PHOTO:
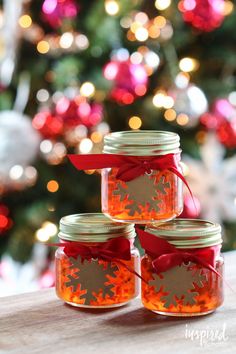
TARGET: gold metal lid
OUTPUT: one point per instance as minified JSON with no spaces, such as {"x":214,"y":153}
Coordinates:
{"x":142,"y":143}
{"x":188,"y":233}
{"x":93,"y":227}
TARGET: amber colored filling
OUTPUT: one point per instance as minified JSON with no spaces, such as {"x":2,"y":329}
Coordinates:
{"x":122,"y":283}
{"x":165,"y":197}
{"x":209,"y":293}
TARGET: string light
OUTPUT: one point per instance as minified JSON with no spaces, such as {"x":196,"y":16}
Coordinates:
{"x":85,"y":146}
{"x":96,"y":137}
{"x":228,"y":8}
{"x":162,"y":4}
{"x":66,"y":40}
{"x":188,"y":64}
{"x":47,"y":230}
{"x":16,"y":172}
{"x":170,"y":115}
{"x":25,"y":21}
{"x":43,"y":47}
{"x":87,"y":89}
{"x":141,"y":34}
{"x":42,"y":95}
{"x":182,"y":80}
{"x":182,"y":119}
{"x":160,"y":21}
{"x":52,"y":186}
{"x":141,"y":17}
{"x":135,"y":122}
{"x":112,"y":7}
{"x":158,"y":99}
{"x":232,"y":98}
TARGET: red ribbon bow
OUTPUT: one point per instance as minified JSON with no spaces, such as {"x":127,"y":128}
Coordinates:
{"x":117,"y":248}
{"x":129,"y":167}
{"x":113,"y":250}
{"x":166,"y":256}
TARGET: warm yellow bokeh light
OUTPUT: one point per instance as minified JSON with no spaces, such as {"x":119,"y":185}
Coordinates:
{"x":182,"y":119}
{"x":43,"y":47}
{"x":87,"y":89}
{"x":25,"y":21}
{"x":52,"y":186}
{"x":228,"y":8}
{"x":188,"y":64}
{"x":160,"y":21}
{"x":162,"y":4}
{"x":141,"y":34}
{"x":159,"y":99}
{"x":96,"y":137}
{"x":135,"y":122}
{"x":112,"y":7}
{"x":170,"y":115}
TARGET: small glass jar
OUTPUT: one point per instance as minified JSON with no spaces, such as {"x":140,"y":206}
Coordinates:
{"x":188,"y":287}
{"x":155,"y":195}
{"x":96,"y":262}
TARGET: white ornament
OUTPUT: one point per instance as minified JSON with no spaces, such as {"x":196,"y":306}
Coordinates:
{"x":213,"y":181}
{"x":189,"y":100}
{"x":19,"y":144}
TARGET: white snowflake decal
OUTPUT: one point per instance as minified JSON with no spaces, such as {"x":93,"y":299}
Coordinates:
{"x":213,"y":181}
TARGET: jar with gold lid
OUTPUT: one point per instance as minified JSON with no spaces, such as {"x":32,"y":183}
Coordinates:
{"x":182,"y":268}
{"x":144,"y":185}
{"x":96,"y":261}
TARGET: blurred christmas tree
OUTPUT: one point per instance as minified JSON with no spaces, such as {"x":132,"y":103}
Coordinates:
{"x":78,"y":69}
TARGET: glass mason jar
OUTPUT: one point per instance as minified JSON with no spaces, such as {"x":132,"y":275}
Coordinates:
{"x":153,"y":195}
{"x":187,"y":285}
{"x":96,"y":262}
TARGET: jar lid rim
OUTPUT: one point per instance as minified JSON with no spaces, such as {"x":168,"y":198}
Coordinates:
{"x":188,"y":232}
{"x":141,"y":142}
{"x":93,"y":227}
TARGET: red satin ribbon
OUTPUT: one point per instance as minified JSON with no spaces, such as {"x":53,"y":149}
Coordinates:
{"x":113,"y":250}
{"x":166,"y":256}
{"x":129,"y":167}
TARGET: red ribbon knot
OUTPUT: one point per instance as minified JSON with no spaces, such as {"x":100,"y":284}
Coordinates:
{"x":166,"y":256}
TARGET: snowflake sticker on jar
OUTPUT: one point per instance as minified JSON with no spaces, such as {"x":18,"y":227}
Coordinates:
{"x":142,"y":180}
{"x":182,"y":269}
{"x":96,"y":261}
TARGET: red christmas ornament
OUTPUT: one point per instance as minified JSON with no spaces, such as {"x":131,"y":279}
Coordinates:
{"x":205,"y":15}
{"x":49,"y":125}
{"x":130,"y":80}
{"x":222,"y":119}
{"x":5,"y":221}
{"x":67,"y":110}
{"x":55,"y":11}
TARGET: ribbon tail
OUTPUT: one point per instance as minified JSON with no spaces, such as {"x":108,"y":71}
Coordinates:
{"x":94,"y":161}
{"x":179,"y":174}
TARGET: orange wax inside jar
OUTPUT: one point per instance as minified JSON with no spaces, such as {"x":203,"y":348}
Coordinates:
{"x":146,"y":189}
{"x":121,"y":284}
{"x":182,"y":267}
{"x":207,"y":296}
{"x":96,"y":261}
{"x":153,"y":197}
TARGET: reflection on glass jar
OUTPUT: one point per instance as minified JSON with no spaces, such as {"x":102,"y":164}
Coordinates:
{"x":184,"y":272}
{"x":150,"y":190}
{"x":96,"y":262}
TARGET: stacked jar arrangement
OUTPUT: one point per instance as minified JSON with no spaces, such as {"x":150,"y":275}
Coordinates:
{"x":97,"y":264}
